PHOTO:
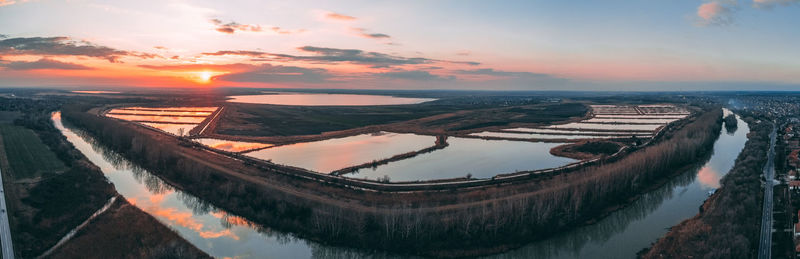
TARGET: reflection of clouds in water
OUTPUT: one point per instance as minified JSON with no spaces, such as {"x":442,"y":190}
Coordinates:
{"x":709,"y":177}
{"x":153,"y":206}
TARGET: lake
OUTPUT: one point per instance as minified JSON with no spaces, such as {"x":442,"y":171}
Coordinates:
{"x":304,"y":99}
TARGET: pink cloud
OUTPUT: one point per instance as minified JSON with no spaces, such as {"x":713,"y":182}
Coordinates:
{"x":714,"y":13}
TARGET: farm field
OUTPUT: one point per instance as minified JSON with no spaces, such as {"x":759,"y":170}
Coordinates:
{"x":27,"y":155}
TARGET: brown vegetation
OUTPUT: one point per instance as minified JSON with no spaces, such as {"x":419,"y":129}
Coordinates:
{"x":587,"y":149}
{"x":44,"y":210}
{"x":458,"y":222}
{"x":124,"y":231}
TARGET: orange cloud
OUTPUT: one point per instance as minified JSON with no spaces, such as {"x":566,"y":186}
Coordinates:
{"x":338,"y":16}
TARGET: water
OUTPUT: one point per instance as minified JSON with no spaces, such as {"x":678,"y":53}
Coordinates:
{"x":231,"y":146}
{"x":213,"y":230}
{"x":625,"y":232}
{"x":221,"y":234}
{"x":160,"y":113}
{"x":630,"y":121}
{"x":156,"y":118}
{"x":575,"y":132}
{"x":594,"y":126}
{"x":174,"y":129}
{"x":481,"y":158}
{"x":640,"y":116}
{"x":184,"y":109}
{"x":332,"y":154}
{"x":549,"y":136}
{"x":325,"y":99}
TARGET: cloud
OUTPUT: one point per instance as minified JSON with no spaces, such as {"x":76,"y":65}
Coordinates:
{"x":10,"y":2}
{"x":772,"y":3}
{"x":516,"y":79}
{"x":278,"y":74}
{"x":361,"y":32}
{"x":334,"y":55}
{"x":201,"y":67}
{"x":160,"y":47}
{"x":237,"y":53}
{"x":338,"y":16}
{"x":64,"y":46}
{"x":715,"y":13}
{"x":43,"y":63}
{"x":413,"y":75}
{"x":232,"y":27}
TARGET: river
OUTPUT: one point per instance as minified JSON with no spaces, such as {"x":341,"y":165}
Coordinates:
{"x":222,"y":234}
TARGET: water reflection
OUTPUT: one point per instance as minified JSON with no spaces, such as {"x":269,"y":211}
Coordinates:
{"x":157,"y":118}
{"x":594,"y":126}
{"x":478,"y":157}
{"x":211,"y":229}
{"x":325,"y":99}
{"x":625,"y":232}
{"x":548,"y":136}
{"x":174,"y":129}
{"x":332,"y":154}
{"x":573,"y":132}
{"x":231,"y":146}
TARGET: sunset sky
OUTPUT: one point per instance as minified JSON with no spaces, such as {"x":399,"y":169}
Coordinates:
{"x":491,"y":45}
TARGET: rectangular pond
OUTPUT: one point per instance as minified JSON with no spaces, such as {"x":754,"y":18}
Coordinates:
{"x":159,"y":113}
{"x":154,"y":118}
{"x":306,"y":99}
{"x":186,"y":109}
{"x":575,"y":132}
{"x":478,"y":157}
{"x":620,"y":116}
{"x":231,"y":146}
{"x":629,"y":121}
{"x":547,"y":136}
{"x":174,"y":129}
{"x":332,"y":154}
{"x":595,"y":126}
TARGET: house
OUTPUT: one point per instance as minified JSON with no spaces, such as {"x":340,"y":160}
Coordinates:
{"x":794,"y":185}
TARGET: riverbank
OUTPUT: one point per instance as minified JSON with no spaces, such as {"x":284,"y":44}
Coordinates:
{"x":53,"y":188}
{"x":124,"y":231}
{"x":730,"y":212}
{"x":460,"y":222}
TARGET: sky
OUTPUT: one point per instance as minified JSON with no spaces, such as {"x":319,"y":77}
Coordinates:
{"x":631,"y":45}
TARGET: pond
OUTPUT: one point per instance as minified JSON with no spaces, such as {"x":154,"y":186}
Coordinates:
{"x":332,"y":154}
{"x":548,"y":136}
{"x":231,"y":146}
{"x":478,"y":157}
{"x":575,"y":132}
{"x":304,"y":99}
{"x":174,"y":129}
{"x":595,"y":126}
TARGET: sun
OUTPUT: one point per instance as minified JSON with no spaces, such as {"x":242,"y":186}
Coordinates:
{"x":205,"y":76}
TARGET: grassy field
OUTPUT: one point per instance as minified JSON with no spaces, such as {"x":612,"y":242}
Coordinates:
{"x":276,"y":120}
{"x":27,"y":155}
